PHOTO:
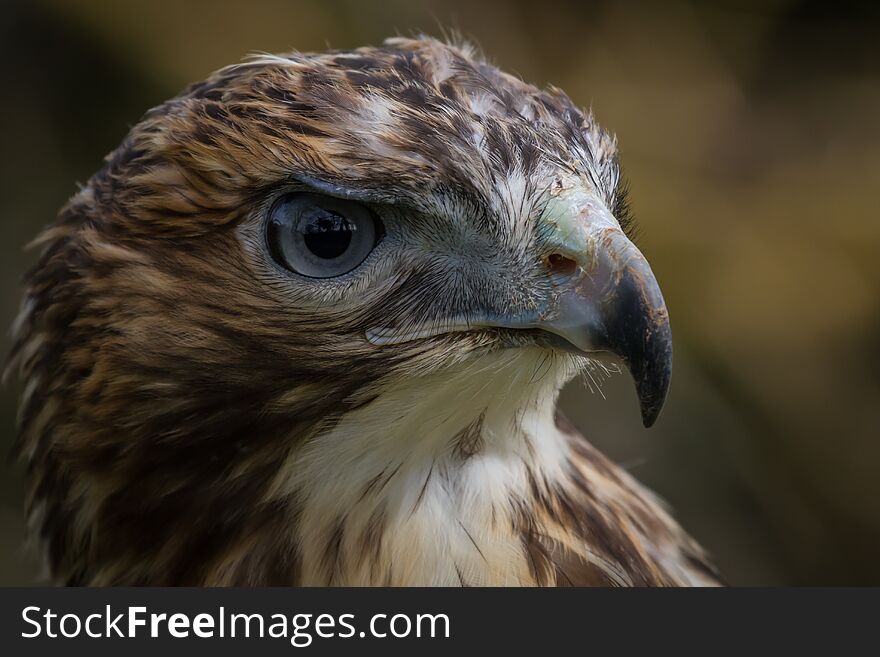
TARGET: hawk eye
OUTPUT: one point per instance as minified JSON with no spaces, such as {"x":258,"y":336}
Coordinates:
{"x":320,"y":236}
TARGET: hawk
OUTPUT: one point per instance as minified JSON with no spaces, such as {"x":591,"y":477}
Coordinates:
{"x":308,"y":325}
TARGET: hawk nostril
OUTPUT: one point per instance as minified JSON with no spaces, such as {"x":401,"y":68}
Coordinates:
{"x":560,"y":264}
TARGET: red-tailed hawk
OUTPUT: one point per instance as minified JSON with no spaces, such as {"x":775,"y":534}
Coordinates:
{"x":308,"y":325}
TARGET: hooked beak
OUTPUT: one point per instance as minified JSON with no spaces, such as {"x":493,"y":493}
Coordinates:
{"x":617,"y":307}
{"x":607,"y":299}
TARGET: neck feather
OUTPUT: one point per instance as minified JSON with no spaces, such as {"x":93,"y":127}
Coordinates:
{"x":453,"y":450}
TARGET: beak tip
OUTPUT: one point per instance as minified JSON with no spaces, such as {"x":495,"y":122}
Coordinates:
{"x":652,"y":390}
{"x":650,"y":414}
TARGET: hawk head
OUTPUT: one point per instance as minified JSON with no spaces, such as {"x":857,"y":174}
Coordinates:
{"x":304,"y":272}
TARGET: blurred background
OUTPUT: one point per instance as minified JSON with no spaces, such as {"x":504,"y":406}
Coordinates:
{"x":750,"y":135}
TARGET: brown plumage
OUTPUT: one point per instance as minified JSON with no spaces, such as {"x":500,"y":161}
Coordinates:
{"x":202,"y":407}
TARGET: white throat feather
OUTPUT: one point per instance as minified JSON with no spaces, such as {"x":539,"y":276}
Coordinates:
{"x":454,"y":448}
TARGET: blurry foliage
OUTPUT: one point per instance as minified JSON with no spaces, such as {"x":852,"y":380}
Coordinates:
{"x":751,"y":140}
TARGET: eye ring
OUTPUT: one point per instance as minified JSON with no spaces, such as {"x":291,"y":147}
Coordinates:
{"x":320,"y":236}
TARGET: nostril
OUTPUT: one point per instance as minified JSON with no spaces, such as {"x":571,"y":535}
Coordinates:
{"x":560,"y":264}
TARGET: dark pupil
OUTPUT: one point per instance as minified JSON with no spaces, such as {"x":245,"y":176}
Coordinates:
{"x":326,"y":234}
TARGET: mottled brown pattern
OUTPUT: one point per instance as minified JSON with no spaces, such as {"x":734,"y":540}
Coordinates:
{"x":167,"y":378}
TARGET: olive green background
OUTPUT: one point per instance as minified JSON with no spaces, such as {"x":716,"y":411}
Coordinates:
{"x":750,"y":135}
